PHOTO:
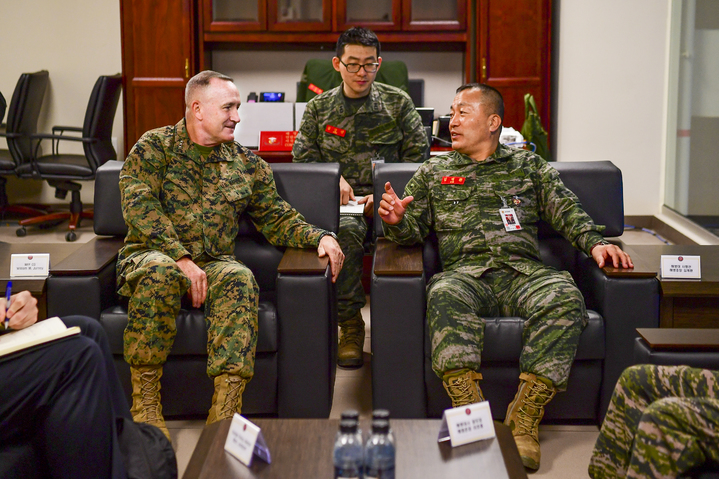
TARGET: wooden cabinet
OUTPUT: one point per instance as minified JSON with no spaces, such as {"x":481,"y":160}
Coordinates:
{"x":158,"y":57}
{"x":513,"y":54}
{"x":402,"y":15}
{"x":506,"y":44}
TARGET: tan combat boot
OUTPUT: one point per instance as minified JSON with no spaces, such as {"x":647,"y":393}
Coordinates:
{"x":227,"y":399}
{"x":146,"y":405}
{"x":349,"y":352}
{"x":524,"y":414}
{"x":463,"y":387}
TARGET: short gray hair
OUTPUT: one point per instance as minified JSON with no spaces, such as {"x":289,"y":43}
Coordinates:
{"x":202,"y":80}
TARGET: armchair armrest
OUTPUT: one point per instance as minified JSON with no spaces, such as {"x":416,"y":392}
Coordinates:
{"x":84,"y":282}
{"x":392,"y":259}
{"x":626,"y":300}
{"x":302,"y":261}
{"x":398,"y":330}
{"x":307,"y":316}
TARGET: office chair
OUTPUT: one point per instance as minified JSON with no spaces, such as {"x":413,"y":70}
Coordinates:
{"x":22,"y":117}
{"x":60,"y":169}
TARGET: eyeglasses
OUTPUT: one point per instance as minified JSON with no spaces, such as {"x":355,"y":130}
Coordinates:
{"x":355,"y":67}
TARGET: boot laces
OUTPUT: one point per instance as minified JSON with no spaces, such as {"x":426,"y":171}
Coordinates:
{"x":234,"y":391}
{"x":352,"y":336}
{"x":532,"y":408}
{"x":461,"y":390}
{"x":150,"y":395}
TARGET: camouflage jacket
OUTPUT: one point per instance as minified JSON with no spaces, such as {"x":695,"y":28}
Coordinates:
{"x":463,"y":210}
{"x":177,"y":202}
{"x":386,"y":127}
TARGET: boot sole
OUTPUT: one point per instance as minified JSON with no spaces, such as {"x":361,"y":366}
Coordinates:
{"x":350,"y":363}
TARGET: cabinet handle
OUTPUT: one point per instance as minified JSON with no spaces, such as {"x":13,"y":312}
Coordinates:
{"x":484,"y":69}
{"x":187,"y":68}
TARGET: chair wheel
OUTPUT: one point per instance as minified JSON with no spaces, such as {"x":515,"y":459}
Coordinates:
{"x":21,"y":231}
{"x":70,"y":236}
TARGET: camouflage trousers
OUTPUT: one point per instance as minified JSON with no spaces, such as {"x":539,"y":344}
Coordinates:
{"x":661,"y":422}
{"x":548,"y":300}
{"x":350,"y":293}
{"x":155,"y":286}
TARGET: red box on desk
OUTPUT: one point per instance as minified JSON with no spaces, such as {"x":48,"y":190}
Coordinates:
{"x":277,"y":140}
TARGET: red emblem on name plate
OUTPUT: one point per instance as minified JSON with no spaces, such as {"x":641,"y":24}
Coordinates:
{"x":29,"y":257}
{"x":681,"y":258}
{"x":468,"y":411}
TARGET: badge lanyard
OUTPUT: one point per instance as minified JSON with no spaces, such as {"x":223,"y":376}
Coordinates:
{"x":508,"y":215}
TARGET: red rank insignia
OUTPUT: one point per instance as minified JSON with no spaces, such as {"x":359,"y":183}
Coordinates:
{"x":335,"y":131}
{"x":314,"y":88}
{"x":453,"y":180}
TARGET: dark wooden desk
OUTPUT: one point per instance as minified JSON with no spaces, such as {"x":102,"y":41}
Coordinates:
{"x":685,"y":303}
{"x":303,"y":448}
{"x":57,"y":251}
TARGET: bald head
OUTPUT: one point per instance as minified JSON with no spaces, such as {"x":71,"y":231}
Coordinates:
{"x":490,"y":99}
{"x":199,"y":83}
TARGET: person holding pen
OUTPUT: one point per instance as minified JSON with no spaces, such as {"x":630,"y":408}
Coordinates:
{"x":59,"y":401}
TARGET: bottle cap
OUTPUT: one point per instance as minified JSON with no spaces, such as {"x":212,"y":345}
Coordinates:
{"x":380,"y":414}
{"x":380,"y":426}
{"x":348,"y":426}
{"x":350,"y":414}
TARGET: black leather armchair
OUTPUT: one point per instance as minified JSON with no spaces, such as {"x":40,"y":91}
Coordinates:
{"x":402,"y":377}
{"x":296,"y":351}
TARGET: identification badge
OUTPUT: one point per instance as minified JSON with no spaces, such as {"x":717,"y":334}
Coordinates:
{"x":510,"y":220}
{"x":453,"y":180}
{"x":314,"y":88}
{"x":333,"y":130}
{"x":681,"y":266}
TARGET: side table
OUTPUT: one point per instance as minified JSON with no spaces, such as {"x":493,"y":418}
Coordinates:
{"x":698,"y":348}
{"x":684,"y":303}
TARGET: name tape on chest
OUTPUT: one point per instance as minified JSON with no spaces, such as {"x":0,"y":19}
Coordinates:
{"x":453,"y":180}
{"x":333,"y":130}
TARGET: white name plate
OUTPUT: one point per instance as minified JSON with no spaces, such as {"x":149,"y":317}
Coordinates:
{"x":244,"y":440}
{"x":465,"y":424}
{"x":681,"y":266}
{"x":30,"y":264}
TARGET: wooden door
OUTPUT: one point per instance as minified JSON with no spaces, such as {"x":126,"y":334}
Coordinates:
{"x":158,"y":57}
{"x":513,"y":45}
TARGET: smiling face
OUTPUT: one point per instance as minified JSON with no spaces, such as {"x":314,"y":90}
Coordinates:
{"x":357,"y":85}
{"x":214,"y":113}
{"x":473,"y":127}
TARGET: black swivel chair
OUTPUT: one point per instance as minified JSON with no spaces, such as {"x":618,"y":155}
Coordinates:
{"x":60,"y":169}
{"x":22,"y":117}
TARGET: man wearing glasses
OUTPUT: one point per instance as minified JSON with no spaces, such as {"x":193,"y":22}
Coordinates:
{"x":356,"y":125}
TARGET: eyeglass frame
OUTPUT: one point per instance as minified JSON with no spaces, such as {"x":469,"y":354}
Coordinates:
{"x":360,"y":66}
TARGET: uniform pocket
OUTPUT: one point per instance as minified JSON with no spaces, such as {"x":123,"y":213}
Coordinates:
{"x":452,"y":207}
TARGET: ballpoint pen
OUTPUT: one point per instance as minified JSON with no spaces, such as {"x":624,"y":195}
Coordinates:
{"x":8,"y":292}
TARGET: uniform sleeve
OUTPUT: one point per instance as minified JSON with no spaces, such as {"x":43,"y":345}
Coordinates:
{"x":414,"y":138}
{"x":417,"y":221}
{"x":140,"y":189}
{"x":561,"y":208}
{"x":281,"y":224}
{"x":305,"y":148}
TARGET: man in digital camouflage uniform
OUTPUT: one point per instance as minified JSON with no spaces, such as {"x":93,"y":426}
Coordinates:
{"x":662,"y":422}
{"x":183,"y":189}
{"x":466,"y":197}
{"x":356,"y":124}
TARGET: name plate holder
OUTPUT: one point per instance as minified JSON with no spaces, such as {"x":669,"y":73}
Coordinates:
{"x":30,"y":265}
{"x":245,"y":440}
{"x":681,"y":266}
{"x":466,"y":424}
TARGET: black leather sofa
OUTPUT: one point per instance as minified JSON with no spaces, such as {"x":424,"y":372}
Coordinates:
{"x":296,"y":351}
{"x":402,"y":377}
